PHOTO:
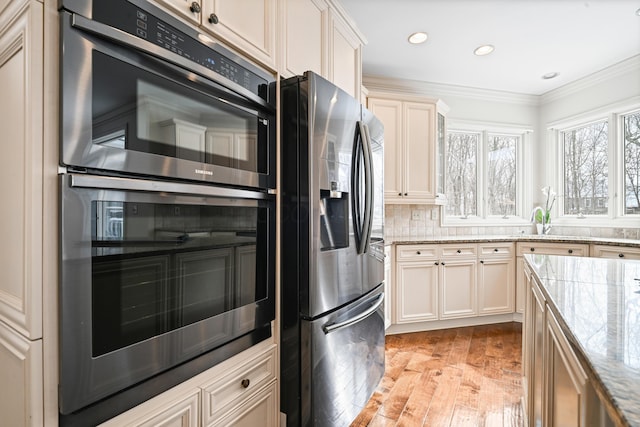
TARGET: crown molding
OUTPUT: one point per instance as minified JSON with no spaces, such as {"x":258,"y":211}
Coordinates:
{"x":437,"y":90}
{"x":627,"y":66}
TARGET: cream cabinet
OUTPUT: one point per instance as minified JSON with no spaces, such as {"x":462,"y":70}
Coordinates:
{"x":248,"y":26}
{"x":303,"y":34}
{"x":458,"y":281}
{"x":21,"y":371}
{"x":411,"y":147}
{"x":21,"y":166}
{"x":241,"y":391}
{"x":541,"y":248}
{"x":389,"y":296}
{"x":496,"y":278}
{"x":345,"y":53}
{"x":606,"y":251}
{"x":566,"y":381}
{"x":435,"y":282}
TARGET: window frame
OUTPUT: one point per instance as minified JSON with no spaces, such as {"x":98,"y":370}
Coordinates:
{"x":613,"y":115}
{"x":523,"y":170}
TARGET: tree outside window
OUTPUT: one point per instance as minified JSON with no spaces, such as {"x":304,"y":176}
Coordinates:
{"x":586,"y":168}
{"x":501,"y":175}
{"x":631,"y":125}
{"x":461,"y":173}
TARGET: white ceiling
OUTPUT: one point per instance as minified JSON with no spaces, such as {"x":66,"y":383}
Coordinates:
{"x":531,"y":37}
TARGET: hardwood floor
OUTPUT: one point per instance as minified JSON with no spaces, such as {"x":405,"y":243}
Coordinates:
{"x":454,"y":377}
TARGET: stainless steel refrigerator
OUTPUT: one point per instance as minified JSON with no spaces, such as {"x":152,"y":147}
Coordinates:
{"x":332,"y":317}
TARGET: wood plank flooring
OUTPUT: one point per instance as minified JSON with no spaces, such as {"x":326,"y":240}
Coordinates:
{"x":454,"y":377}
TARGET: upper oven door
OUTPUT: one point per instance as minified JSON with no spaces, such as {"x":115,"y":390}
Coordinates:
{"x":131,"y":106}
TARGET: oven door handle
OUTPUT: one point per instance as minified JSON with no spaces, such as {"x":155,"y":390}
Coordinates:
{"x":126,"y":39}
{"x":355,"y":319}
{"x":128,"y":184}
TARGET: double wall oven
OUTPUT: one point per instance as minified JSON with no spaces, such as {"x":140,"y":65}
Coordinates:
{"x":167,"y":198}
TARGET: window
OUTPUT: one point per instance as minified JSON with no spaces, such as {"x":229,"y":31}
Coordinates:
{"x":585,"y":168}
{"x":600,"y":168}
{"x":631,"y":132}
{"x":481,"y":174}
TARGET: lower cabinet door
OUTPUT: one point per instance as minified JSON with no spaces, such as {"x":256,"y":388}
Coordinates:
{"x":257,"y":410}
{"x":458,"y":289}
{"x":417,"y":292}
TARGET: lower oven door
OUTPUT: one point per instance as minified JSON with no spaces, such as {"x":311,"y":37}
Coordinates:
{"x":342,"y":361}
{"x":155,"y":274}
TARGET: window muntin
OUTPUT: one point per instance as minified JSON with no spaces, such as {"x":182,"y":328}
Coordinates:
{"x":631,"y":135}
{"x":586,"y":169}
{"x":501,"y":175}
{"x":461,"y":173}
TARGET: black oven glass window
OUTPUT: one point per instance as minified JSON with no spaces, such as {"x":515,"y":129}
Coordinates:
{"x":134,"y":109}
{"x":159,"y":267}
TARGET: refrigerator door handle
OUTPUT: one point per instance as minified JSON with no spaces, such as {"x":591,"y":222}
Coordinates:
{"x":362,"y":220}
{"x":368,"y":217}
{"x":355,"y":319}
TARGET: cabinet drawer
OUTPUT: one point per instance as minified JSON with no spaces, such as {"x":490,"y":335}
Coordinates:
{"x":416,"y":252}
{"x":605,"y":251}
{"x":239,"y":383}
{"x":553,"y":249}
{"x":496,"y":250}
{"x":465,"y":250}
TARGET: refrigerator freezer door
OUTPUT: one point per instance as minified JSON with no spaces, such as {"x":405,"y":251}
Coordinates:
{"x":345,"y":356}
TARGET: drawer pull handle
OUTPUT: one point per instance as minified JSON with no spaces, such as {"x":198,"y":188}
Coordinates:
{"x":436,"y":263}
{"x":245,"y":383}
{"x":570,"y":251}
{"x":195,"y":7}
{"x":495,"y":250}
{"x":621,"y":255}
{"x":459,"y":251}
{"x":443,"y":263}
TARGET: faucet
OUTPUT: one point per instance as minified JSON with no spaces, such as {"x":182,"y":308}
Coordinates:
{"x":545,"y":227}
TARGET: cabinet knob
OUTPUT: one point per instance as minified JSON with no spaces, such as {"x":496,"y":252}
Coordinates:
{"x":620,"y":255}
{"x":570,"y":251}
{"x":442,"y":263}
{"x":436,"y":263}
{"x":418,"y":252}
{"x":533,"y":249}
{"x":213,"y":19}
{"x":481,"y":261}
{"x":195,"y":7}
{"x":459,"y":251}
{"x":406,"y":194}
{"x":399,"y":194}
{"x":495,"y":250}
{"x":245,"y":383}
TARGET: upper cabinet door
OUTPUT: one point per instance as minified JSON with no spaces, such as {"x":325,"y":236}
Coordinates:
{"x":249,"y":25}
{"x":21,"y":167}
{"x":389,"y":112}
{"x":304,"y":37}
{"x":420,"y":150}
{"x":191,"y":10}
{"x":345,"y":59}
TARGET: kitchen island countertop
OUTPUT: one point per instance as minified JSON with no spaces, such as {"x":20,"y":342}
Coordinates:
{"x":597,"y":304}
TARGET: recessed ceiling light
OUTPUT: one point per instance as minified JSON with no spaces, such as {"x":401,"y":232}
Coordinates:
{"x":417,"y":38}
{"x":485,"y":49}
{"x":550,"y":75}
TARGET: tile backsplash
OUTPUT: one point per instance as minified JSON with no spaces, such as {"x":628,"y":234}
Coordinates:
{"x":423,"y":221}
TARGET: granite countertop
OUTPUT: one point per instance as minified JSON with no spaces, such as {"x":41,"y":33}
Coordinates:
{"x":405,"y":240}
{"x":597,"y":303}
